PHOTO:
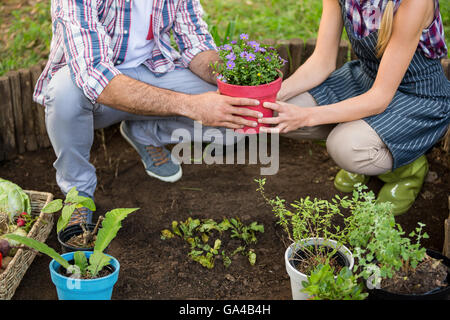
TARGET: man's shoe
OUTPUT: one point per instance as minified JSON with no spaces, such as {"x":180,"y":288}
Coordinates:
{"x":403,"y":185}
{"x":80,"y":216}
{"x":157,"y":160}
{"x":345,"y":181}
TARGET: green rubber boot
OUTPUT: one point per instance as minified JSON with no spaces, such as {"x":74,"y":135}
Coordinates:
{"x":403,"y":185}
{"x":345,"y":181}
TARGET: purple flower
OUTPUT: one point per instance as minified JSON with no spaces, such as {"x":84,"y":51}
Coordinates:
{"x":221,"y":78}
{"x":243,"y":54}
{"x":231,"y":56}
{"x":283,"y":61}
{"x":250,"y":57}
{"x":260,"y":49}
{"x":227,"y":47}
{"x":253,"y":44}
{"x":230,"y":65}
{"x":233,"y":42}
{"x":244,"y":36}
{"x":268,"y":58}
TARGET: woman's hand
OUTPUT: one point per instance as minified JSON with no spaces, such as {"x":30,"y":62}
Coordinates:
{"x":289,"y":118}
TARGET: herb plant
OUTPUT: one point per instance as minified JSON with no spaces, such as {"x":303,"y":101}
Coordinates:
{"x":305,"y":219}
{"x":379,"y":242}
{"x":248,"y":63}
{"x":83,"y":267}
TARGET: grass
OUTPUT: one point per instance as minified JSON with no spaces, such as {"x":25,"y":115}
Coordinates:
{"x":25,"y":33}
{"x":28,"y":35}
{"x":266,"y":19}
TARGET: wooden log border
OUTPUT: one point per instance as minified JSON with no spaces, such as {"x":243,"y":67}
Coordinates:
{"x":22,"y":121}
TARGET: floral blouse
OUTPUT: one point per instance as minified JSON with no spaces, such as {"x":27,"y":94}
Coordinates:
{"x":366,"y":16}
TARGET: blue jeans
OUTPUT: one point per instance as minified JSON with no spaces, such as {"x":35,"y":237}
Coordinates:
{"x":71,"y":119}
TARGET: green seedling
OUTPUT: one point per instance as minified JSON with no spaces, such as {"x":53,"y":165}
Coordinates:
{"x":200,"y":233}
{"x":73,"y":202}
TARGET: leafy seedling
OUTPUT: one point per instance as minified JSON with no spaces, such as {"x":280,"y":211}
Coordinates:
{"x":199,"y":234}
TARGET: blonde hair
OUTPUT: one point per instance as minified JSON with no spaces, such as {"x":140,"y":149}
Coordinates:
{"x":385,"y":32}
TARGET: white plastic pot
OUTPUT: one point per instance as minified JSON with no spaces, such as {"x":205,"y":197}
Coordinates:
{"x":296,"y":276}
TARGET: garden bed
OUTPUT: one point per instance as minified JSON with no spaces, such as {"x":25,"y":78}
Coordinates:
{"x":160,"y":269}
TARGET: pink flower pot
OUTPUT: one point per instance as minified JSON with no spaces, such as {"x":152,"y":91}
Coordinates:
{"x":263,"y":93}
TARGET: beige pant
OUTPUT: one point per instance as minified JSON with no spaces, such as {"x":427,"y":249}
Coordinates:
{"x":354,"y":145}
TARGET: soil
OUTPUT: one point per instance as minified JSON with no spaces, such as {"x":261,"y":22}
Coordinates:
{"x":430,"y":274}
{"x":155,"y":269}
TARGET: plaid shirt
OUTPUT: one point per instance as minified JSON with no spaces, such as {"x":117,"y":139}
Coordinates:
{"x":366,"y":18}
{"x":91,"y":36}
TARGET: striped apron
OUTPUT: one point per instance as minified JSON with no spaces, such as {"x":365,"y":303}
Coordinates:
{"x":418,"y":115}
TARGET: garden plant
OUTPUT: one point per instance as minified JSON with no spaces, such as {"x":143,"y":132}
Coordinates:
{"x":252,"y":70}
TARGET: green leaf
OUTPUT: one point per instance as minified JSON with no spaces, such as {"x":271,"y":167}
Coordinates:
{"x":97,"y":261}
{"x":53,"y":206}
{"x":217,"y":244}
{"x":86,"y":202}
{"x":71,"y":195}
{"x":226,"y":259}
{"x":166,"y":234}
{"x":64,"y":219}
{"x":175,"y":229}
{"x":252,"y":257}
{"x":110,"y":226}
{"x":41,"y":247}
{"x":80,"y":261}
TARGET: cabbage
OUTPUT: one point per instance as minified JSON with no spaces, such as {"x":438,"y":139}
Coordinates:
{"x":13,"y":200}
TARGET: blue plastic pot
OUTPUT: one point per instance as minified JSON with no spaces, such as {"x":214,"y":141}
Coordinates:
{"x":83,"y":289}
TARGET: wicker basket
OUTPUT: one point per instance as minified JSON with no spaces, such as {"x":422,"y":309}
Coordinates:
{"x":11,"y":277}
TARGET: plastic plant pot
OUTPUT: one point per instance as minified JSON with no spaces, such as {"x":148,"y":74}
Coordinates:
{"x":298,"y":277}
{"x":83,"y":289}
{"x":263,"y":93}
{"x":440,"y":293}
{"x":66,"y":234}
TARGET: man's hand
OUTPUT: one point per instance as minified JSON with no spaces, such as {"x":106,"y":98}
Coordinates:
{"x":215,"y":110}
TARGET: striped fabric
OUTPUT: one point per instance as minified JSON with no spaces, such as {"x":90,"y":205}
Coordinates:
{"x":91,"y":36}
{"x":418,"y":115}
{"x":366,"y":15}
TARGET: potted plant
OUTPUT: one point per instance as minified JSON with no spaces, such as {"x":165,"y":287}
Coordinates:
{"x":84,"y":275}
{"x":395,"y":266}
{"x":316,"y":257}
{"x":78,"y":236}
{"x":249,"y":70}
